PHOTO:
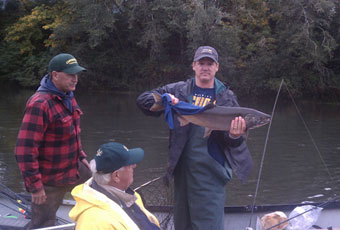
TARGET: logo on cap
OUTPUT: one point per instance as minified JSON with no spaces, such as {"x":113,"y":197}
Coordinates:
{"x":71,"y":61}
{"x":99,"y":152}
{"x":207,"y":51}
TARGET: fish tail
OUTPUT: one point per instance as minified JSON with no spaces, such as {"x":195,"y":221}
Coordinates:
{"x":157,"y":106}
{"x":157,"y":97}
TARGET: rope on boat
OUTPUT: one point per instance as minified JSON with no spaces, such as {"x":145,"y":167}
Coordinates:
{"x":263,"y":154}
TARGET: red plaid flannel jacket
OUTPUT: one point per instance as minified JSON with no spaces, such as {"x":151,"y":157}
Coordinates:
{"x":48,"y":146}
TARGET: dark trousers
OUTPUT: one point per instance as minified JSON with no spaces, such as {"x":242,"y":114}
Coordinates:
{"x":44,"y":215}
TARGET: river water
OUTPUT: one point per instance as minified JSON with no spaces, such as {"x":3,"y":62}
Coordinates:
{"x":299,"y":165}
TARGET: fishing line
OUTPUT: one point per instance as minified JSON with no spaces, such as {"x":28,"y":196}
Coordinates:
{"x":309,"y":133}
{"x":317,"y":149}
{"x":319,"y":154}
{"x":263,"y":154}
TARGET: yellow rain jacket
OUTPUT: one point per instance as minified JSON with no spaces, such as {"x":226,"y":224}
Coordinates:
{"x":95,"y":211}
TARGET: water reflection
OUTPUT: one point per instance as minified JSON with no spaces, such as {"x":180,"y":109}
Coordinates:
{"x":293,"y":170}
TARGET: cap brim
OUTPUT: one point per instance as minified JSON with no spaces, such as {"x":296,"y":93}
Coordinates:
{"x":135,"y":156}
{"x":74,"y":69}
{"x":205,"y":56}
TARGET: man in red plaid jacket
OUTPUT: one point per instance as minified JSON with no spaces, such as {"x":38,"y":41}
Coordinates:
{"x":48,"y":148}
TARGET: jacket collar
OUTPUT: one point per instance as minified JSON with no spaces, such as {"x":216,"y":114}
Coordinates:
{"x":186,"y":91}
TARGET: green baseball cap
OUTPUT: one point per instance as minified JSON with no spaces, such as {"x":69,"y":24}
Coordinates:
{"x":112,"y":156}
{"x":65,"y":63}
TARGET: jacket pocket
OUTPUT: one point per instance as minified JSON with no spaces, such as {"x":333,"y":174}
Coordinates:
{"x":61,"y":127}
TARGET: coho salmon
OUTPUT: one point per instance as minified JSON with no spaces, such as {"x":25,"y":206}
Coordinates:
{"x":220,"y":117}
{"x":215,"y":117}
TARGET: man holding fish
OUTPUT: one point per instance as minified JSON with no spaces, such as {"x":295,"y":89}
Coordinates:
{"x":201,"y":165}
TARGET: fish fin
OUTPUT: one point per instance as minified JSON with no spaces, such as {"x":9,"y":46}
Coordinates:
{"x":207,"y":132}
{"x":158,"y":105}
{"x":246,"y":135}
{"x":182,"y":121}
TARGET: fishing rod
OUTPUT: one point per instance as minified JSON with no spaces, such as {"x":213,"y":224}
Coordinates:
{"x":322,"y":160}
{"x":147,"y":183}
{"x":21,"y":202}
{"x":11,"y":194}
{"x":15,"y":210}
{"x":16,"y":199}
{"x":263,"y":154}
{"x":261,"y":165}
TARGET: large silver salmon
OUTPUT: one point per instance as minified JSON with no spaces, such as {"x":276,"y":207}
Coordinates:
{"x":216,"y":117}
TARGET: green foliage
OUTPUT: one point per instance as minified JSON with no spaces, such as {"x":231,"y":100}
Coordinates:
{"x":26,"y":32}
{"x":85,"y":19}
{"x":25,"y":48}
{"x":142,"y":44}
{"x":161,"y":39}
{"x":283,"y":39}
{"x":306,"y":44}
{"x":26,"y":70}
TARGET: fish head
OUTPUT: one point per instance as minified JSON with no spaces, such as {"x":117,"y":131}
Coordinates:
{"x":256,"y":120}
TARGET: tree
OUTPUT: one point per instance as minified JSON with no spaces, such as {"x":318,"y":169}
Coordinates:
{"x":27,"y":41}
{"x":145,"y":43}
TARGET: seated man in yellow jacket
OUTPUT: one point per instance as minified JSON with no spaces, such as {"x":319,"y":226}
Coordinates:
{"x":105,"y":201}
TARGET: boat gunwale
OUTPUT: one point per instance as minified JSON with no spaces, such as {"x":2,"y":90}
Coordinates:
{"x":257,"y":208}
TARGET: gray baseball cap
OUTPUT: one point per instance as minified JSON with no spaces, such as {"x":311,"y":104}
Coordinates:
{"x":206,"y":51}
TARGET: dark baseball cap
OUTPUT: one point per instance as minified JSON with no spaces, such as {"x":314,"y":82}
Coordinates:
{"x":112,"y":156}
{"x":206,"y":51}
{"x":65,"y":63}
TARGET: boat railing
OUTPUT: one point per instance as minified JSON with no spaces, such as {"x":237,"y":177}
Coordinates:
{"x":59,"y":227}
